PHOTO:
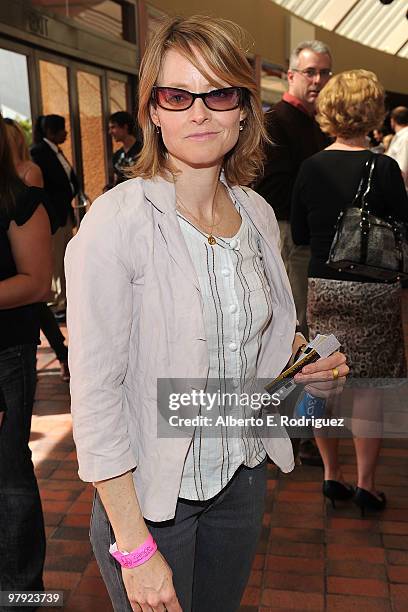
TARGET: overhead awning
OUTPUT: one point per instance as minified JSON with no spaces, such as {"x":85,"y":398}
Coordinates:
{"x":369,"y":22}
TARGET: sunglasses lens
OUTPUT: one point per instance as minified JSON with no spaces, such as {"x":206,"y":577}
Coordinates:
{"x":173,"y":99}
{"x":223,"y":99}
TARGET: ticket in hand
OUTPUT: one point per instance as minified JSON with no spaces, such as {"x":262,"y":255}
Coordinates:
{"x":321,"y":346}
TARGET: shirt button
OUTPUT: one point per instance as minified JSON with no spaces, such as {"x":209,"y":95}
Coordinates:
{"x":233,"y":308}
{"x":232,"y":346}
{"x":234,"y":243}
{"x":235,"y":383}
{"x":225,"y":272}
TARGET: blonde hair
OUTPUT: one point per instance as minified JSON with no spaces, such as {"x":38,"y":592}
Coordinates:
{"x":220,"y":43}
{"x":17,"y":140}
{"x":387,"y":141}
{"x":351,"y":104}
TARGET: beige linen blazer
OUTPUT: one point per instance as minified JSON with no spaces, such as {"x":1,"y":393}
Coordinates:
{"x":135,"y":315}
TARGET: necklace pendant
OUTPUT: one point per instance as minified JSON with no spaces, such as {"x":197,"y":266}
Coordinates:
{"x":211,"y":240}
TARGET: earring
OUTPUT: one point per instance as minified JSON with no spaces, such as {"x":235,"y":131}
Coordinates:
{"x":157,"y":129}
{"x":241,"y":126}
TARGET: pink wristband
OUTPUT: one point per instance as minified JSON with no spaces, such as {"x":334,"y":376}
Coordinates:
{"x":136,"y":557}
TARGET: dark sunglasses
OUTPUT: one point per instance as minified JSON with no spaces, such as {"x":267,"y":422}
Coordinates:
{"x":174,"y":99}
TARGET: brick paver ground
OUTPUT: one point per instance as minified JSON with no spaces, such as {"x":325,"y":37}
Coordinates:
{"x":310,"y":557}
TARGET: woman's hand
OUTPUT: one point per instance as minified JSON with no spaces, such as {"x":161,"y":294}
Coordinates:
{"x":333,"y":368}
{"x":150,"y":586}
{"x":326,"y":377}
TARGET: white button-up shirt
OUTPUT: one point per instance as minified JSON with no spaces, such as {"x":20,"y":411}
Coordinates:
{"x":398,"y":150}
{"x":237,"y":308}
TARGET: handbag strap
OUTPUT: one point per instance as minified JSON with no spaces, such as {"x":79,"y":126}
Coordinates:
{"x":362,"y":202}
{"x":361,"y":198}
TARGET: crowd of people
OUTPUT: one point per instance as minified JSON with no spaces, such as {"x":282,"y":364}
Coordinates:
{"x":204,"y":260}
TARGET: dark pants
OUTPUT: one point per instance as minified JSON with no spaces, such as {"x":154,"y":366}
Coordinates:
{"x":209,"y":545}
{"x":22,"y":537}
{"x":52,"y":332}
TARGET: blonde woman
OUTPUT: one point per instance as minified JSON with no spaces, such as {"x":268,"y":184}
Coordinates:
{"x":27,"y":170}
{"x":364,"y":315}
{"x":31,"y":175}
{"x":181,"y":278}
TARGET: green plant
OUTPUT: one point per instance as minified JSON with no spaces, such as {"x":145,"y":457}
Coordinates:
{"x":27,"y":127}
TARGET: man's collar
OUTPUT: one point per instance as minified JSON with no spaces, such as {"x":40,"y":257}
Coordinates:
{"x":52,"y":145}
{"x":294,"y":101}
{"x":402,"y":130}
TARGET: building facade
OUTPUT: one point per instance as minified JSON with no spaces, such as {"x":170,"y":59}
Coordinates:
{"x":76,"y":59}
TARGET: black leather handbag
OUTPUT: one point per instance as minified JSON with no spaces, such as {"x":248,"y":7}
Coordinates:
{"x":366,"y":244}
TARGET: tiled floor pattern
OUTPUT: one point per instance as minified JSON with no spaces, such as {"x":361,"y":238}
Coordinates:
{"x":310,"y":557}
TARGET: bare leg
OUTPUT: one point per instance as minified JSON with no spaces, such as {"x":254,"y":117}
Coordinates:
{"x":328,"y":448}
{"x":367,"y":430}
{"x":367,"y":451}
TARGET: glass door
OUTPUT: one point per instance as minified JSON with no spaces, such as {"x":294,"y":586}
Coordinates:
{"x":85,"y":96}
{"x":55,"y":98}
{"x":91,"y":132}
{"x":117,"y":91}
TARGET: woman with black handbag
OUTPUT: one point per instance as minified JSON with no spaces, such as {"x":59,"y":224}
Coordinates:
{"x":362,"y":311}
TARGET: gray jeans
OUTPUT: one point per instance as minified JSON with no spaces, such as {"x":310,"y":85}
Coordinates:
{"x":209,"y":545}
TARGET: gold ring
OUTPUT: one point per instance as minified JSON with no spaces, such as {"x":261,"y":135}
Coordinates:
{"x":335,"y":373}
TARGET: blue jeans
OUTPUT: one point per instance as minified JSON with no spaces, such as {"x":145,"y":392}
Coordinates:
{"x":22,"y":534}
{"x":209,"y":545}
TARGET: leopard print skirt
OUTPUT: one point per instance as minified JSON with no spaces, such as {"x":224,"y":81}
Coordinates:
{"x":365,"y":318}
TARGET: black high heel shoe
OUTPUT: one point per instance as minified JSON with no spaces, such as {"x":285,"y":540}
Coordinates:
{"x":335,"y":490}
{"x":366,"y":500}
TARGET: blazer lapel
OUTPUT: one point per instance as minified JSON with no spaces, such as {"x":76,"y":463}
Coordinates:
{"x":162,"y":196}
{"x":58,"y":168}
{"x":256,"y":217}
